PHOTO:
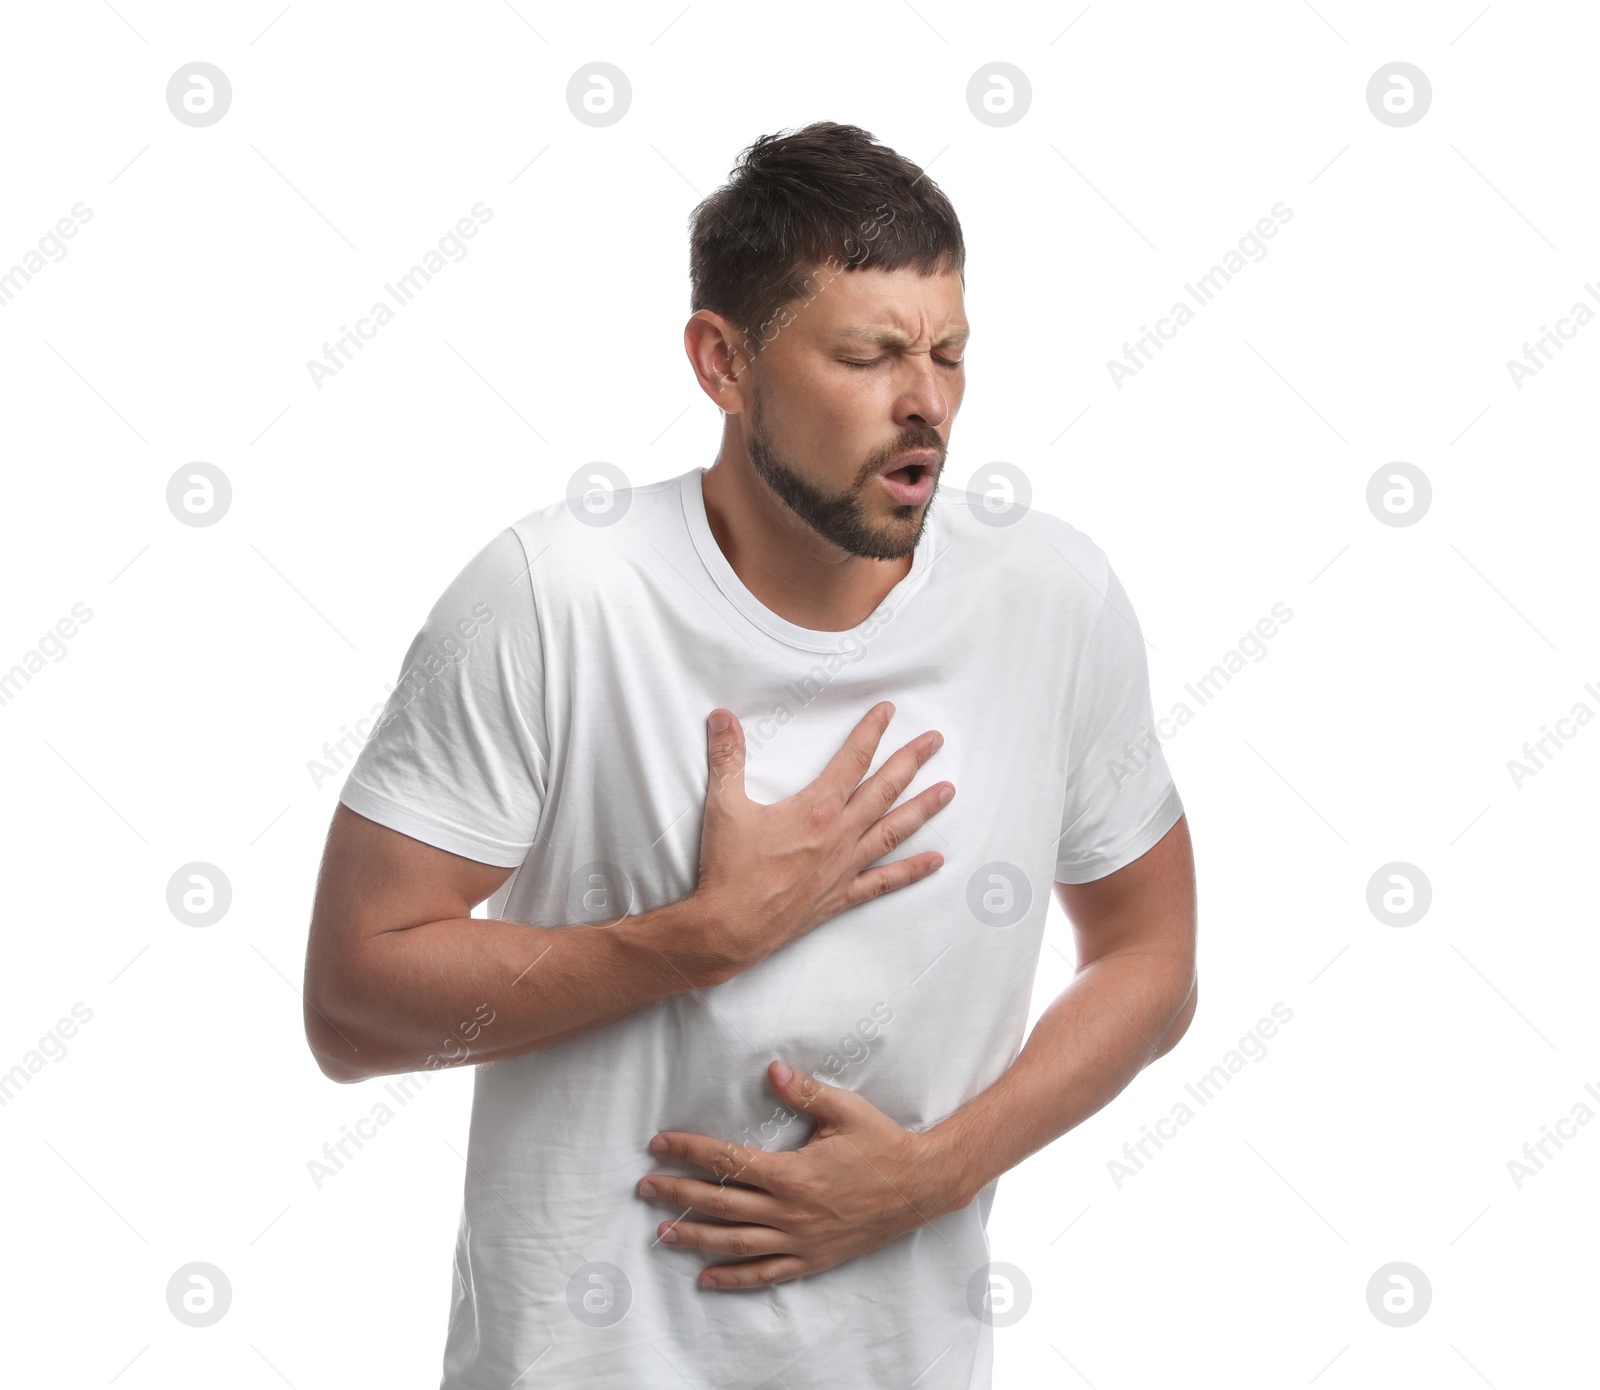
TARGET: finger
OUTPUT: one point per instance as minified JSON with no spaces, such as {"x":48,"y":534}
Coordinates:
{"x":885,"y":835}
{"x":879,"y":792}
{"x":725,"y":755}
{"x":829,"y":1104}
{"x":892,"y":830}
{"x":772,"y":1270}
{"x":885,"y":878}
{"x":849,"y":765}
{"x":726,"y":1240}
{"x":713,"y":1199}
{"x":722,"y":1157}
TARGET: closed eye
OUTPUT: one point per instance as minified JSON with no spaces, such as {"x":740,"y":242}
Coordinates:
{"x":878,"y":360}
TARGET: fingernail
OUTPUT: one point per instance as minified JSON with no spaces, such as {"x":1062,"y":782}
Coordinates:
{"x":669,"y":1236}
{"x":659,"y":1144}
{"x":783,"y":1072}
{"x":647,"y":1188}
{"x":945,"y":793}
{"x":719,"y":722}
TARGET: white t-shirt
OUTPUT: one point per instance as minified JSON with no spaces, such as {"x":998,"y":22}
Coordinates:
{"x":551,"y":718}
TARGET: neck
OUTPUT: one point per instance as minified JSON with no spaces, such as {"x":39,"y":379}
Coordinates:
{"x":792,"y":570}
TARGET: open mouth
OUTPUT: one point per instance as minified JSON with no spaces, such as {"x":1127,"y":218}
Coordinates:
{"x":911,"y":484}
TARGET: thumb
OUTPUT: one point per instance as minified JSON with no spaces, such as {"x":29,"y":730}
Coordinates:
{"x":828,"y":1104}
{"x":724,"y":754}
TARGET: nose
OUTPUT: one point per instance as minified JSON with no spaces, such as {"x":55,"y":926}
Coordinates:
{"x":925,"y":401}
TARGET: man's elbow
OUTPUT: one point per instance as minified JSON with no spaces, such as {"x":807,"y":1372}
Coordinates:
{"x":1180,"y":1022}
{"x":338,"y":1055}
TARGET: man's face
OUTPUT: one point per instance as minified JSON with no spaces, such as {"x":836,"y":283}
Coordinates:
{"x":863,"y":374}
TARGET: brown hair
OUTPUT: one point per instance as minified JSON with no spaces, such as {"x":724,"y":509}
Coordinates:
{"x":825,"y":195}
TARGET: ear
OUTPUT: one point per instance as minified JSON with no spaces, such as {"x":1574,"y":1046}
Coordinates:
{"x":713,"y":348}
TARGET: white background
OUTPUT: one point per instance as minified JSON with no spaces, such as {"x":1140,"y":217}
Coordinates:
{"x":1229,"y":475}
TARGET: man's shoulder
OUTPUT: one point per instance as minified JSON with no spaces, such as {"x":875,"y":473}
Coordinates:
{"x":582,"y":534}
{"x":1022,"y":548}
{"x":598,"y":507}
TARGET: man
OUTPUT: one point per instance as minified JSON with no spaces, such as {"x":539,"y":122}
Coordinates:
{"x":732,"y":935}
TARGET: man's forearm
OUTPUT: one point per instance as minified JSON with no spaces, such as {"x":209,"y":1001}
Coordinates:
{"x":1119,"y":1014}
{"x":471,"y":989}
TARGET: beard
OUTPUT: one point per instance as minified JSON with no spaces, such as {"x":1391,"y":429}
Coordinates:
{"x":842,"y":518}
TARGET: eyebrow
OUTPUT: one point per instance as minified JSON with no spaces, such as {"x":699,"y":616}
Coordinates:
{"x":895,"y":337}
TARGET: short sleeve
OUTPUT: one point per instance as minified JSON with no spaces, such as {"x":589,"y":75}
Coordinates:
{"x":459,"y":755}
{"x":1121,"y":798}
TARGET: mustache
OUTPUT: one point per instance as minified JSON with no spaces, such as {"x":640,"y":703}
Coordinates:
{"x":907,"y":444}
